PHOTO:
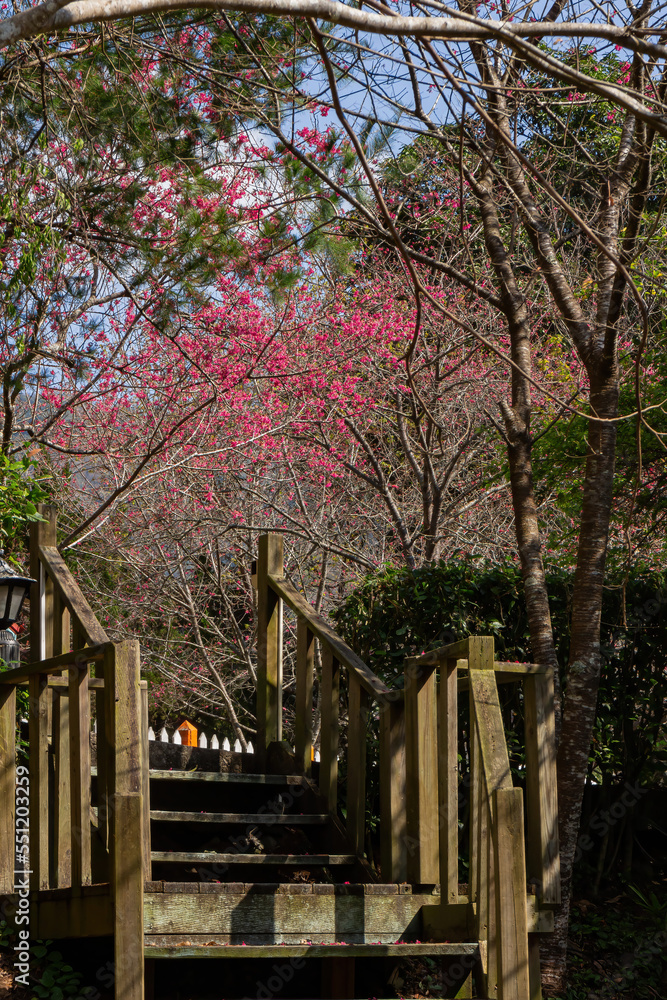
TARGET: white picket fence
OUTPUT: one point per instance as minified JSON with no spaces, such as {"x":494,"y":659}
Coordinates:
{"x":203,"y":742}
{"x":213,"y":744}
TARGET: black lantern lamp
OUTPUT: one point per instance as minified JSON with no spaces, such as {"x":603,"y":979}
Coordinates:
{"x":13,"y":590}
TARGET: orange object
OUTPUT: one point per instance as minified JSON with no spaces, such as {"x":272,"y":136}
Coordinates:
{"x":188,"y":734}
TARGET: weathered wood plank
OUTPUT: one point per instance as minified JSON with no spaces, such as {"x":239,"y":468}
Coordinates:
{"x":72,"y":595}
{"x":356,"y":762}
{"x":145,"y":779}
{"x":321,"y":628}
{"x":534,"y":969}
{"x":61,"y":819}
{"x":311,"y":916}
{"x":229,"y":777}
{"x":305,"y":659}
{"x":103,"y":790}
{"x":54,"y":665}
{"x":475,"y":785}
{"x":269,"y":642}
{"x":256,"y":819}
{"x":166,"y":950}
{"x":128,"y":896}
{"x":62,"y":642}
{"x":421,"y":761}
{"x":122,"y":678}
{"x":38,"y":693}
{"x":41,"y":533}
{"x":448,"y":781}
{"x":79,"y":759}
{"x":541,"y":791}
{"x":520,"y":670}
{"x":8,"y":832}
{"x":494,"y":757}
{"x":453,"y":651}
{"x":492,"y":891}
{"x":511,"y":920}
{"x":393,"y":816}
{"x":330,"y":685}
{"x":210,"y":857}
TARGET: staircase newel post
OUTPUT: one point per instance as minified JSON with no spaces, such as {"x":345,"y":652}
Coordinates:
{"x":393,"y":820}
{"x":41,"y":646}
{"x":125,"y":764}
{"x":269,"y":643}
{"x":421,"y":761}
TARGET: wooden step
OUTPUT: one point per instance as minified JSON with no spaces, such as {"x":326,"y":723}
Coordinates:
{"x":225,"y":778}
{"x":248,"y":819}
{"x":225,"y":914}
{"x":186,"y":857}
{"x":399,"y":949}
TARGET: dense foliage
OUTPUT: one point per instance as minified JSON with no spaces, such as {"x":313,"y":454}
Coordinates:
{"x":397,"y":613}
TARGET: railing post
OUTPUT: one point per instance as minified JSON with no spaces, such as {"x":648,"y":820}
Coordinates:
{"x":393,"y":817}
{"x":269,"y":643}
{"x":303,"y":742}
{"x":41,"y":595}
{"x":421,"y":759}
{"x":61,"y":859}
{"x":38,"y":697}
{"x":329,"y":728}
{"x":541,"y":794}
{"x":79,"y":761}
{"x":124,"y":741}
{"x":448,"y":781}
{"x":511,"y":916}
{"x":145,"y":782}
{"x":8,"y":832}
{"x":356,"y":762}
{"x":41,"y":592}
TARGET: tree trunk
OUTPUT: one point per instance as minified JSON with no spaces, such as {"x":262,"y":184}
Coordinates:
{"x":583,"y":676}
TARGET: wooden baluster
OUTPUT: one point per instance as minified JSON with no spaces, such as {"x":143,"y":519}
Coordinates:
{"x":42,"y":594}
{"x":38,"y":695}
{"x":473,"y":794}
{"x":305,"y":659}
{"x":393,"y":817}
{"x":62,"y":811}
{"x":421,"y":739}
{"x":123,"y":726}
{"x":511,"y":917}
{"x":329,"y":728}
{"x":145,"y":781}
{"x":79,"y":758}
{"x":8,"y":832}
{"x":102,"y":757}
{"x":356,"y":762}
{"x":269,"y":643}
{"x":541,"y":793}
{"x":61,"y":819}
{"x":490,"y":892}
{"x":448,"y":779}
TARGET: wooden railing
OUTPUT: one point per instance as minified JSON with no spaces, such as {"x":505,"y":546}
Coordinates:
{"x":72,"y":844}
{"x":421,"y":779}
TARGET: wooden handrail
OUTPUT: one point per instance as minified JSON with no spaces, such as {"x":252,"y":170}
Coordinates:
{"x":71,"y":595}
{"x":495,"y":760}
{"x":419,"y":764}
{"x":54,"y":664}
{"x":61,"y":825}
{"x":369,"y":681}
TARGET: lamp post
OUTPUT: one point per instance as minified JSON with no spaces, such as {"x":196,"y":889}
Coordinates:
{"x":13,"y":590}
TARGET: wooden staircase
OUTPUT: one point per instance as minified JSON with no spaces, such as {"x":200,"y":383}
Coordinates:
{"x":254,"y":862}
{"x":276,"y":882}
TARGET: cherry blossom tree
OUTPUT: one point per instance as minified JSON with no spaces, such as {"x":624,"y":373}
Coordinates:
{"x":548,"y":223}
